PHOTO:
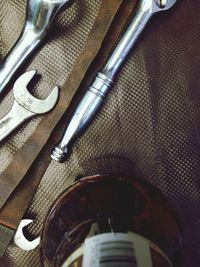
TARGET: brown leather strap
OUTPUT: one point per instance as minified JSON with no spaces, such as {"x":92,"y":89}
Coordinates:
{"x":31,"y":166}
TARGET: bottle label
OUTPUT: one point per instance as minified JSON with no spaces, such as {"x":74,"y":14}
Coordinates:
{"x":116,"y":249}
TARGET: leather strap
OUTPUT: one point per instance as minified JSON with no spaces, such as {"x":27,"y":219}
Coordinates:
{"x":23,"y":160}
{"x":24,"y":173}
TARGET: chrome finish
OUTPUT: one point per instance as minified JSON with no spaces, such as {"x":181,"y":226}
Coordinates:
{"x":161,"y":3}
{"x":21,"y":241}
{"x":39,"y":17}
{"x":92,"y":99}
{"x":25,"y":105}
{"x":145,"y":10}
{"x":84,"y":113}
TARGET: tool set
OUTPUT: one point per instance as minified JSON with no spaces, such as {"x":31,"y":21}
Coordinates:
{"x":40,"y":15}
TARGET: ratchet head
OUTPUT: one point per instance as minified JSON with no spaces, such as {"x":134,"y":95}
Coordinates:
{"x":162,"y":5}
{"x":28,"y":101}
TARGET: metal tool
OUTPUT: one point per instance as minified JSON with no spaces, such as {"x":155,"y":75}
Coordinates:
{"x":39,"y":17}
{"x":16,"y":236}
{"x":25,"y":105}
{"x":20,"y":239}
{"x":94,"y":96}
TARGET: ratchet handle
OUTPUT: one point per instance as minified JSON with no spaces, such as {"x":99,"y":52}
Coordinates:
{"x":83,"y":115}
{"x":144,"y":11}
{"x":94,"y":96}
{"x":135,"y":27}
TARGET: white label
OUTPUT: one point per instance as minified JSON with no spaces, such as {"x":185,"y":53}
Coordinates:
{"x":117,"y":250}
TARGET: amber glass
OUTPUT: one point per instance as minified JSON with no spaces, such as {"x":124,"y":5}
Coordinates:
{"x":114,"y":204}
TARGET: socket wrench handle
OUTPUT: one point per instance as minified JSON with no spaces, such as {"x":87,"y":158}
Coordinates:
{"x":93,"y":98}
{"x":39,"y":17}
{"x":83,"y":115}
{"x":144,"y":11}
{"x":127,"y":40}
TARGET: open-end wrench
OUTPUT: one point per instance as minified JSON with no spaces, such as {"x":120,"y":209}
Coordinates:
{"x":25,"y":105}
{"x":20,"y":239}
{"x":94,"y":96}
{"x":17,"y":237}
{"x":39,"y":17}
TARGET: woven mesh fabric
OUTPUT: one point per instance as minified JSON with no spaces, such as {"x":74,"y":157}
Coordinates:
{"x":150,"y":118}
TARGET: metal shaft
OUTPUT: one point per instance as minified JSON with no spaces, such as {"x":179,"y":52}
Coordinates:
{"x":39,"y":17}
{"x":84,"y":113}
{"x":127,"y":41}
{"x":13,"y":119}
{"x":93,"y":98}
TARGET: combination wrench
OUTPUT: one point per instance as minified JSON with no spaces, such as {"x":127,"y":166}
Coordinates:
{"x":25,"y":105}
{"x":20,"y":239}
{"x":39,"y":17}
{"x":97,"y":91}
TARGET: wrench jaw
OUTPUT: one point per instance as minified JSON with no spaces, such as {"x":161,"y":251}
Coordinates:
{"x":22,"y":82}
{"x":21,"y":241}
{"x":28,"y":101}
{"x":25,"y":105}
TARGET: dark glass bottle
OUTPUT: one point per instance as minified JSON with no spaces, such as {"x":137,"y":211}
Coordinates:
{"x":111,"y":220}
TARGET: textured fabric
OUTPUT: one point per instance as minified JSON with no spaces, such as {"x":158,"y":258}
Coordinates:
{"x":151,"y":117}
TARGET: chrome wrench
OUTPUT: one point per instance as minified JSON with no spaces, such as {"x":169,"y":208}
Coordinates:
{"x":20,"y":239}
{"x":39,"y":17}
{"x":94,"y":96}
{"x":16,"y":236}
{"x":25,"y":105}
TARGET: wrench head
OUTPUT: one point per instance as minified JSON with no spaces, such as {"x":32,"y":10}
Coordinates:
{"x":61,"y":4}
{"x":21,"y":241}
{"x":28,"y":101}
{"x":58,"y":1}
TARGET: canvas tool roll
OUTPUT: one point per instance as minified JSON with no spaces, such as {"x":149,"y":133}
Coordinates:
{"x":151,"y":117}
{"x":20,"y":179}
